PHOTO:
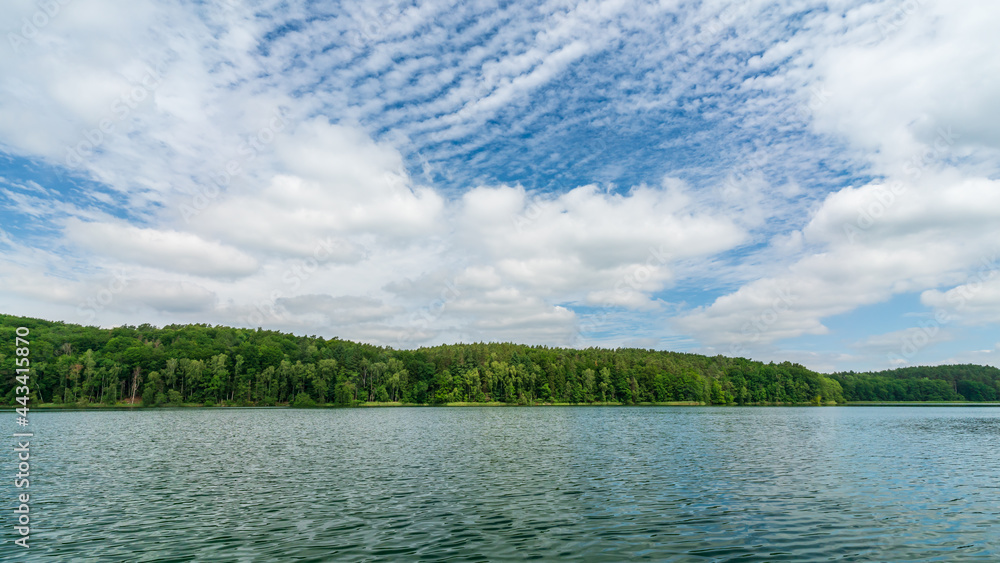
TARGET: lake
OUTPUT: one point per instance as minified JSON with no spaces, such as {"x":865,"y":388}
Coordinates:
{"x":496,"y":483}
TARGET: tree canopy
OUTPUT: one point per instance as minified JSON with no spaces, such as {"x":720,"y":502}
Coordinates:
{"x":923,"y":383}
{"x":214,"y":365}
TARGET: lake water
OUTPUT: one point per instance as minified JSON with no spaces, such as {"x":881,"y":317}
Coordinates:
{"x":477,"y":484}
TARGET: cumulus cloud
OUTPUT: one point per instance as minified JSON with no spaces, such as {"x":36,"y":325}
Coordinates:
{"x":865,"y":245}
{"x":923,"y":67}
{"x":334,"y":180}
{"x":588,"y":242}
{"x":976,"y":300}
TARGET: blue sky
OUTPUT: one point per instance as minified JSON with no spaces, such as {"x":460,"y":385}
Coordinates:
{"x":801,"y":180}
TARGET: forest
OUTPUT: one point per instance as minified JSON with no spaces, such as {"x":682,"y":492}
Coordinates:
{"x":197,"y":364}
{"x":923,"y":383}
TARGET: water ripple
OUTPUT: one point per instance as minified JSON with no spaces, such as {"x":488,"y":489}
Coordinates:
{"x":493,"y":484}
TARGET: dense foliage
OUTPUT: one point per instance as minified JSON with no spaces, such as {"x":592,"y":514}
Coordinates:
{"x":938,"y":383}
{"x":213,"y":365}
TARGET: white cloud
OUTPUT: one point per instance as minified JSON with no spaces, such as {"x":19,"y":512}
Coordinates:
{"x":165,"y":296}
{"x":986,"y":357}
{"x":324,"y":221}
{"x":907,"y":341}
{"x":340,"y":311}
{"x":509,"y":315}
{"x":334,"y":181}
{"x":976,"y":301}
{"x":923,"y":67}
{"x":910,"y":92}
{"x":920,"y":236}
{"x":584,"y":241}
{"x":170,"y":251}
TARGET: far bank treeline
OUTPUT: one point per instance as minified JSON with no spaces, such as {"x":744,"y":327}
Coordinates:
{"x":217,"y":365}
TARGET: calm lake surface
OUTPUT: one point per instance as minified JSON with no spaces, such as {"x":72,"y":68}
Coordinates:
{"x":477,"y":484}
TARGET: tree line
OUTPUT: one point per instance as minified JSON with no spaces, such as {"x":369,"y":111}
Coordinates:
{"x":923,"y":383}
{"x":75,"y":365}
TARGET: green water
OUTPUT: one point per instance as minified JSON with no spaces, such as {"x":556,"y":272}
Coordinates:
{"x":478,"y":484}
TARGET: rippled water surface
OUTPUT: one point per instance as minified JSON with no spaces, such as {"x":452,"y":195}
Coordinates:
{"x":477,"y":484}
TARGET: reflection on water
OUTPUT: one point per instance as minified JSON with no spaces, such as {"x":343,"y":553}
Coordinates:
{"x":593,"y":484}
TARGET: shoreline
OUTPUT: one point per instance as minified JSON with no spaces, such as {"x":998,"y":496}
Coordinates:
{"x":123,"y":406}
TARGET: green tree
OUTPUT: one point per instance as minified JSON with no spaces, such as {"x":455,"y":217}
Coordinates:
{"x":219,"y":368}
{"x":345,"y":393}
{"x":303,"y":400}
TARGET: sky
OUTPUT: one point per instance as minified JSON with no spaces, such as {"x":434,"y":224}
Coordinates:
{"x":805,"y":181}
